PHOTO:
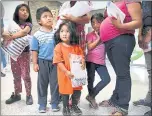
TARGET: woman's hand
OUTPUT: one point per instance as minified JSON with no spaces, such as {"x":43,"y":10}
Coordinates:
{"x":142,"y":44}
{"x":116,"y":22}
{"x":140,"y":41}
{"x":67,"y":17}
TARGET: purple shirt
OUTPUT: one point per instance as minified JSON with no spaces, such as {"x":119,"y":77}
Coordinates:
{"x":96,"y":55}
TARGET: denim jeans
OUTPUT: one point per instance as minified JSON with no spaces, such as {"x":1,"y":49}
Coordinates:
{"x":3,"y":58}
{"x":119,"y":51}
{"x":102,"y":72}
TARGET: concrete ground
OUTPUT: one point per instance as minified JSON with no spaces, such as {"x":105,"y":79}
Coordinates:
{"x":139,"y":90}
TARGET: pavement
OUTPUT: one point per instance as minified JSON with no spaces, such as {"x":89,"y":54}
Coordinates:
{"x":139,"y":90}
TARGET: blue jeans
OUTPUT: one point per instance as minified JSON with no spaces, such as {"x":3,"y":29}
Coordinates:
{"x":103,"y":73}
{"x":3,"y":59}
{"x":119,"y":51}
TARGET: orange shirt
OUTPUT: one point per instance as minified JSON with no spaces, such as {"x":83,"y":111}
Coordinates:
{"x":61,"y":54}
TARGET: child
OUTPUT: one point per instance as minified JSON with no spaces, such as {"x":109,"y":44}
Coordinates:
{"x":67,"y":43}
{"x":95,"y":60}
{"x":42,"y":47}
{"x":21,"y":67}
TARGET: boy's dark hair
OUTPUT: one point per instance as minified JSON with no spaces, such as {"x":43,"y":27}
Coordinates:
{"x":16,"y":16}
{"x":40,"y":11}
{"x":98,"y":16}
{"x":74,"y":39}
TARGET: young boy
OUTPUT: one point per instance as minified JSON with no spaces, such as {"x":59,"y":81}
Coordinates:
{"x":42,"y":46}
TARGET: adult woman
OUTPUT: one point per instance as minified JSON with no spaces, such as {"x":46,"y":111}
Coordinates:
{"x":79,"y":22}
{"x":119,"y":42}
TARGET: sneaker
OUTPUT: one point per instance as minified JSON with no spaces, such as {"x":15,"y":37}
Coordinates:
{"x":13,"y":98}
{"x":55,"y":107}
{"x":3,"y":75}
{"x":42,"y":108}
{"x":29,"y":100}
{"x":92,"y":102}
{"x":66,"y":111}
{"x":141,"y":102}
{"x":76,"y":110}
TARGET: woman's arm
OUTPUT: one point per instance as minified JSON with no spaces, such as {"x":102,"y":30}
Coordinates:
{"x":135,"y":12}
{"x":80,"y":20}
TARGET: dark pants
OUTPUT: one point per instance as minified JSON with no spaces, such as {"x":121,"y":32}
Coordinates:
{"x":103,"y":73}
{"x":119,"y":51}
{"x":148,"y":60}
{"x":75,"y":98}
{"x":47,"y":75}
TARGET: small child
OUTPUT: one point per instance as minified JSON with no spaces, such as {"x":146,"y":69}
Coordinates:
{"x":42,"y":47}
{"x":95,"y":60}
{"x":21,"y":67}
{"x":68,"y":43}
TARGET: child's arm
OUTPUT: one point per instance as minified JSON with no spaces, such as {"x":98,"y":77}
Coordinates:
{"x":92,"y":45}
{"x":34,"y":47}
{"x":35,"y":59}
{"x":58,"y":60}
{"x":21,"y":33}
{"x":83,"y":64}
{"x":63,"y":69}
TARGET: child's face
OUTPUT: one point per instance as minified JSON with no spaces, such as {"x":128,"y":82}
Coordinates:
{"x":95,"y":25}
{"x":23,"y":13}
{"x":46,"y":20}
{"x":65,"y":34}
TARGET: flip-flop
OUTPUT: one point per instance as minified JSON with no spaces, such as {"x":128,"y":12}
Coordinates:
{"x":117,"y":113}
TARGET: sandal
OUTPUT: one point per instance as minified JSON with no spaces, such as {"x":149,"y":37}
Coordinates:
{"x":119,"y":112}
{"x":106,"y":103}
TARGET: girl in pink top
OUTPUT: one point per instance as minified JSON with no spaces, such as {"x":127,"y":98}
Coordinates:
{"x":119,"y":44}
{"x":95,"y":60}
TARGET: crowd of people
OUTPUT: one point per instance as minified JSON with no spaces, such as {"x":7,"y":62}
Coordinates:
{"x":50,"y":56}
